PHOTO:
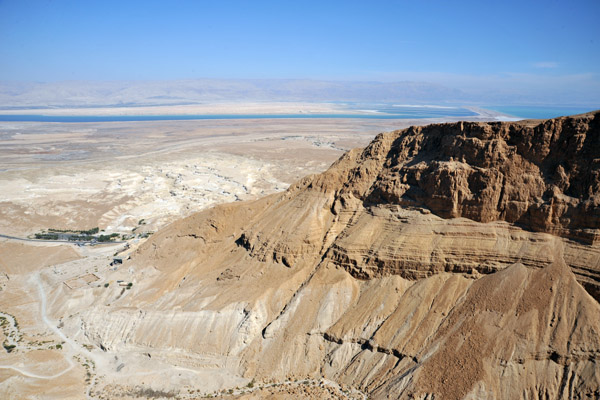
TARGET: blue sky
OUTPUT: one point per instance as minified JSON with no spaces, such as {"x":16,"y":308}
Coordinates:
{"x":486,"y":45}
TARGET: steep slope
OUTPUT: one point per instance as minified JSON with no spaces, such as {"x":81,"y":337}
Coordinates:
{"x":448,"y":260}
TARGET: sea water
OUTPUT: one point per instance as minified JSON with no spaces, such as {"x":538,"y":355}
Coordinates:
{"x":540,"y":112}
{"x":377,"y":111}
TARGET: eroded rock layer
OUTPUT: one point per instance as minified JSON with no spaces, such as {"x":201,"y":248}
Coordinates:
{"x":443,"y":261}
{"x":542,"y":176}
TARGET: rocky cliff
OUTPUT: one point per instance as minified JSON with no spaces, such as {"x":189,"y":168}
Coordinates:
{"x":543,"y":176}
{"x":450,"y":261}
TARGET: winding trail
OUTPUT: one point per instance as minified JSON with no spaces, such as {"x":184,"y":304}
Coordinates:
{"x":44,"y":315}
{"x":72,"y":350}
{"x":36,"y":278}
{"x":73,"y":347}
{"x":33,"y":375}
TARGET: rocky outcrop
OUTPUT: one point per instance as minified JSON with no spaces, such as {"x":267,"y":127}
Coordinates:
{"x":543,"y":176}
{"x":439,"y":262}
{"x":540,"y":176}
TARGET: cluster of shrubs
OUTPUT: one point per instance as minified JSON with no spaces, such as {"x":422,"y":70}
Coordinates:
{"x":8,"y":347}
{"x":76,"y":235}
{"x":46,"y":236}
{"x":107,"y":238}
{"x":92,"y":231}
{"x":77,"y":238}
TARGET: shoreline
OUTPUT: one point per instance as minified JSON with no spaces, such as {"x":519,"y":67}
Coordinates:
{"x":248,"y":110}
{"x":199,"y":117}
{"x":187,"y":109}
{"x":282,"y":110}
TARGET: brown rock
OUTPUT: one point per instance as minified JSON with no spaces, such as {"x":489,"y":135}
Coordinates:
{"x":347,"y":276}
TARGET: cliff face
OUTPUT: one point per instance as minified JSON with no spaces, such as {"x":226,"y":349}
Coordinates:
{"x":536,"y":176}
{"x":539,"y":176}
{"x":544,"y":176}
{"x":447,"y":260}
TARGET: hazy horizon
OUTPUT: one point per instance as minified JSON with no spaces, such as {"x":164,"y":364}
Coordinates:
{"x":538,"y":52}
{"x":198,"y":91}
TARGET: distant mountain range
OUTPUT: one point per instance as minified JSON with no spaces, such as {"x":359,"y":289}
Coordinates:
{"x":84,"y":94}
{"x":132,"y":93}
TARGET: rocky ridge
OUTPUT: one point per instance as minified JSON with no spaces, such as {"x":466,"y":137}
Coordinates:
{"x":450,"y":261}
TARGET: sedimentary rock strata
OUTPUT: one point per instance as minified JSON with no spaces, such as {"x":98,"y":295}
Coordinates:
{"x":454,"y":261}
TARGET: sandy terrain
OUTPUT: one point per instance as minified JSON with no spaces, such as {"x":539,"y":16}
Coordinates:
{"x":112,"y":175}
{"x":128,"y":177}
